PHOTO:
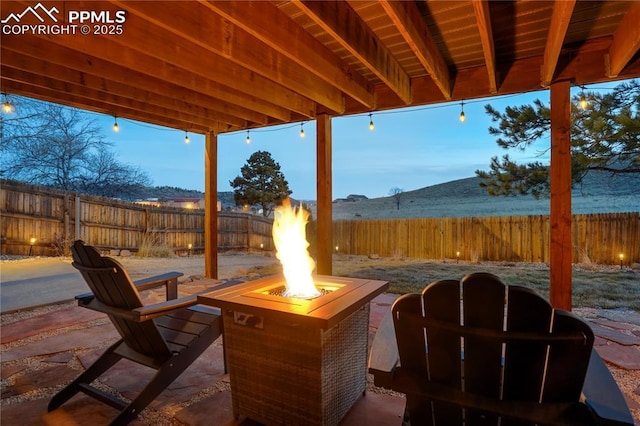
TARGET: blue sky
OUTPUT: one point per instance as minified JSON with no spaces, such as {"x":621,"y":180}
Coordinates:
{"x":409,"y":148}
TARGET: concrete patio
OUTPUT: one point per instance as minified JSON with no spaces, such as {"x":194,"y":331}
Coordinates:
{"x":46,"y":347}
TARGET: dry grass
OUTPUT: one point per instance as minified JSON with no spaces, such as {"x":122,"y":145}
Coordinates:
{"x":603,"y":287}
{"x":153,"y":244}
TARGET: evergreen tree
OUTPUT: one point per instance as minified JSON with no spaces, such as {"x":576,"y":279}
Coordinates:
{"x":605,"y":135}
{"x":261,"y":182}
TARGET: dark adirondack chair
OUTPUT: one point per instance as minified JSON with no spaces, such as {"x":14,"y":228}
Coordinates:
{"x":480,"y":352}
{"x":166,"y":336}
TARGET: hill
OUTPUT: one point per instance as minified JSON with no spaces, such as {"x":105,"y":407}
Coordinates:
{"x":599,"y":193}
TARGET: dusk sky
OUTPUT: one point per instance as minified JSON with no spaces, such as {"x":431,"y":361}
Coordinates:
{"x":409,"y":148}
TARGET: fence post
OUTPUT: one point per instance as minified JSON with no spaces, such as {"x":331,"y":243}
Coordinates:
{"x":77,"y":221}
{"x":249,"y":232}
{"x":66,"y":231}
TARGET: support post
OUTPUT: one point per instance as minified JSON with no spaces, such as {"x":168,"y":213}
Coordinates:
{"x":561,"y":250}
{"x":324,"y":195}
{"x":211,"y":206}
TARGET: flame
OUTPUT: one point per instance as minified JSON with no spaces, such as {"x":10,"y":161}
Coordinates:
{"x":291,"y":249}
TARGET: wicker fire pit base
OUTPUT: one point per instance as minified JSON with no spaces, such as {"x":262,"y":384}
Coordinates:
{"x":297,"y":375}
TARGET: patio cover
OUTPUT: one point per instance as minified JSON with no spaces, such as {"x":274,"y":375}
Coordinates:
{"x":212,"y":67}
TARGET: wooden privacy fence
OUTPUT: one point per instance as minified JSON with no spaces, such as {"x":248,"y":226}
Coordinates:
{"x":50,"y":216}
{"x":55,"y":218}
{"x":597,"y":238}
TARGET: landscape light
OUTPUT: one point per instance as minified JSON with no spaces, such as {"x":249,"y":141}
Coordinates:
{"x":621,"y":259}
{"x":32,"y":241}
{"x":190,"y":246}
{"x":457,"y":257}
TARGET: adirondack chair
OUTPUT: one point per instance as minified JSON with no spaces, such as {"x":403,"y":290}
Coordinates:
{"x":480,"y":352}
{"x":166,"y":336}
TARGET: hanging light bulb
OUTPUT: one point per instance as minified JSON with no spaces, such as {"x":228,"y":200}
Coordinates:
{"x":583,"y":99}
{"x":115,"y":127}
{"x":186,"y":137}
{"x":248,"y":139}
{"x":462,"y":116}
{"x":7,"y":107}
{"x":301,"y":130}
{"x":371,"y":125}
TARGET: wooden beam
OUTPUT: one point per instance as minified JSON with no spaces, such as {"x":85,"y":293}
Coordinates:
{"x":161,"y":118}
{"x":483,"y":17}
{"x":169,"y":80}
{"x":560,"y":18}
{"x":115,"y":94}
{"x":197,"y":27}
{"x":342,"y":23}
{"x":626,"y":41}
{"x":410,"y":23}
{"x":264,"y":21}
{"x":324,"y":198}
{"x":583,"y":65}
{"x":154,"y":55}
{"x":211,"y":205}
{"x":561,"y":250}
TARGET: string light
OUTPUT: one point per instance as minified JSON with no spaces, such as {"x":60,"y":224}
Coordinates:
{"x":248,"y":139}
{"x":371,"y":125}
{"x":186,"y":137}
{"x":462,"y":116}
{"x":301,"y":130}
{"x":115,"y":127}
{"x":7,"y":106}
{"x":583,"y":99}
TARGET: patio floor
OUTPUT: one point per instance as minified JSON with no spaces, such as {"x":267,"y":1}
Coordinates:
{"x":48,"y":347}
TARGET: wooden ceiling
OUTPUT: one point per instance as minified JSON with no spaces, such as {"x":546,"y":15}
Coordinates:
{"x":230,"y":65}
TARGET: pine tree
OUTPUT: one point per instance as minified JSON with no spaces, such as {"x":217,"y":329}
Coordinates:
{"x":261,"y":182}
{"x":605,"y":136}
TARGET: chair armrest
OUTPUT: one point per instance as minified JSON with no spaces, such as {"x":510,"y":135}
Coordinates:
{"x":602,"y":395}
{"x":384,"y":358}
{"x":144,"y":313}
{"x":170,"y":280}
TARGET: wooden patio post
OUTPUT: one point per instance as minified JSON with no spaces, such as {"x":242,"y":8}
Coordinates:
{"x":560,"y":253}
{"x":325,"y":214}
{"x":211,"y":206}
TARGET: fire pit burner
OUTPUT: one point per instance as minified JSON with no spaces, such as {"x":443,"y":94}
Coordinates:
{"x":296,"y":361}
{"x":282,"y":289}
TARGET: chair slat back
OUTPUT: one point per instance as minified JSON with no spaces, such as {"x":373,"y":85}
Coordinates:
{"x":485,"y":338}
{"x":112,"y":286}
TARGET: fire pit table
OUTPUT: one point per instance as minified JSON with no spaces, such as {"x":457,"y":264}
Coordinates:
{"x":296,"y":361}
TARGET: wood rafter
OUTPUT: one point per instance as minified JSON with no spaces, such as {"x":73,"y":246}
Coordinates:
{"x":560,"y":18}
{"x":245,"y":56}
{"x":162,"y":54}
{"x":289,"y":39}
{"x":195,"y":89}
{"x":109,"y":93}
{"x":124,"y":110}
{"x":483,"y":18}
{"x":347,"y":28}
{"x":626,"y":41}
{"x":406,"y":17}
